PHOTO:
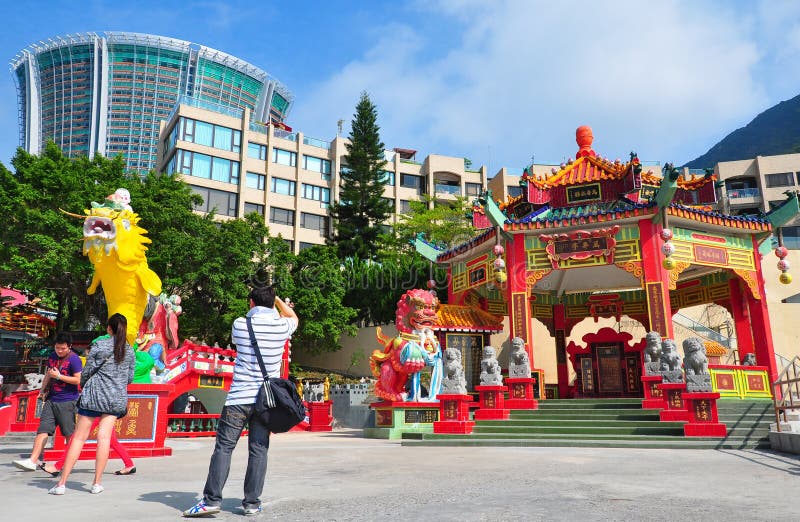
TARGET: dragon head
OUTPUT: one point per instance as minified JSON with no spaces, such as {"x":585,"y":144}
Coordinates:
{"x":112,"y":227}
{"x":416,"y":310}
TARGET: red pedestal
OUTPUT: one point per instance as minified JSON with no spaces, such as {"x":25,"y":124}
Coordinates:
{"x":520,"y":394}
{"x":454,"y":414}
{"x":674,"y":408}
{"x":24,"y":404}
{"x":142,"y":431}
{"x":319,"y":416}
{"x":653,"y":398}
{"x":492,"y":403}
{"x":703,"y":419}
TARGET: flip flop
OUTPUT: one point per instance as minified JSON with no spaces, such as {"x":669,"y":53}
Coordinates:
{"x":51,"y":473}
{"x":129,"y":472}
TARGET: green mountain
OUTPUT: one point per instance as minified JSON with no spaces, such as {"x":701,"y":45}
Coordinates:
{"x":774,"y":131}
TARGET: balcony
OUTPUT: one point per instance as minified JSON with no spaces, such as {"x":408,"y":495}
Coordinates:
{"x":450,"y":190}
{"x":314,"y":142}
{"x":744,"y":196}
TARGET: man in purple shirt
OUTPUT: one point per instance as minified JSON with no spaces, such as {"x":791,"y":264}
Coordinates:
{"x":59,"y":393}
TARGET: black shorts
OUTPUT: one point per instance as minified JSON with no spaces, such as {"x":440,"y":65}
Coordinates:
{"x":61,"y":414}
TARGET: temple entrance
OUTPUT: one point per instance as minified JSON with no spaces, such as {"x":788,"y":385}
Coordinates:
{"x":607,"y":366}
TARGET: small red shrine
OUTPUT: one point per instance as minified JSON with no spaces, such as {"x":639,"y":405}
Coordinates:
{"x":598,"y":238}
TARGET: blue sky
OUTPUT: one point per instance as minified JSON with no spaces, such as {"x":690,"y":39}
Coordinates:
{"x":498,"y":82}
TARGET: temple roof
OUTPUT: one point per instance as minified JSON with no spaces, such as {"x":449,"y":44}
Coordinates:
{"x":582,"y":170}
{"x":466,"y":318}
{"x":714,"y":349}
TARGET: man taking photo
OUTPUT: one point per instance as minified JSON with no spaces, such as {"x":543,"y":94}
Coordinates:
{"x":273,"y":322}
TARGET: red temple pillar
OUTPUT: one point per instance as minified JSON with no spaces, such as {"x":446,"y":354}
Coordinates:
{"x":656,"y":279}
{"x":517,"y":295}
{"x":741,"y":318}
{"x":759,"y":322}
{"x":560,"y":327}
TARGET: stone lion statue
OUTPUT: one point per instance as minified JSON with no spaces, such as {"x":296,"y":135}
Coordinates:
{"x":670,"y":359}
{"x":749,"y":360}
{"x":490,"y":368}
{"x":454,"y":381}
{"x":652,"y":349}
{"x":518,"y":361}
{"x":34,"y":380}
{"x":695,"y":361}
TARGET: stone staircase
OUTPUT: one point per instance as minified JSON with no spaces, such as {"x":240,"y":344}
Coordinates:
{"x":608,"y":423}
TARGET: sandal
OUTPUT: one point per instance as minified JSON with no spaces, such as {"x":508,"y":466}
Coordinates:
{"x":129,"y":472}
{"x":51,"y":473}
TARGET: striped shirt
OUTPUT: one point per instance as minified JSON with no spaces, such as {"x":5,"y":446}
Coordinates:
{"x":271,"y":331}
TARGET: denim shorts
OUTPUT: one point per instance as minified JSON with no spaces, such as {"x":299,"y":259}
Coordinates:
{"x":90,"y":413}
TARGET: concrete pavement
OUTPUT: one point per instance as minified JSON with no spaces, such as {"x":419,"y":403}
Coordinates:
{"x":340,"y":476}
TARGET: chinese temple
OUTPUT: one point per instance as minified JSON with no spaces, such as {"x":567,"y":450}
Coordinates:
{"x":596,"y":238}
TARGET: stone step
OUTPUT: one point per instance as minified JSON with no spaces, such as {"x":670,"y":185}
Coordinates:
{"x":587,"y":415}
{"x":678,"y":443}
{"x":581,"y":430}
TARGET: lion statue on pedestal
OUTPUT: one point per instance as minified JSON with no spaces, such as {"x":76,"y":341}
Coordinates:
{"x":695,"y":361}
{"x":402,"y":358}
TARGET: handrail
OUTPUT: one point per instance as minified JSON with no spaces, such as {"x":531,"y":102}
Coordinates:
{"x":701,"y":329}
{"x":787,"y":387}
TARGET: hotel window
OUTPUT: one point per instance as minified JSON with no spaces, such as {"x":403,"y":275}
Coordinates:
{"x":315,"y":164}
{"x":254,"y":207}
{"x":405,"y":206}
{"x":281,"y":216}
{"x":283,"y":186}
{"x":784,"y":179}
{"x":207,"y":167}
{"x":210,"y":135}
{"x":255,"y":180}
{"x":303,"y":245}
{"x":514,"y":190}
{"x":387,"y":177}
{"x":219,"y":201}
{"x":316,"y":193}
{"x":284,"y":157}
{"x":314,"y":222}
{"x":290,"y":243}
{"x":412,"y":181}
{"x":473,"y":189}
{"x":254,"y":150}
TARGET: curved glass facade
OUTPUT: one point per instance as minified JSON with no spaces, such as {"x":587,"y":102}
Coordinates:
{"x":107,"y":94}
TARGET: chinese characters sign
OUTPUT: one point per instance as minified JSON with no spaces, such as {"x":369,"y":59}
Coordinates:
{"x":583,"y":193}
{"x":581,"y":244}
{"x":139,"y":424}
{"x":656,"y":308}
{"x":710,"y":255}
{"x":519,"y":305}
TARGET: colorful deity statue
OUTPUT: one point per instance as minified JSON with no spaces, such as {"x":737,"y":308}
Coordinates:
{"x":116,"y":246}
{"x":399,"y":364}
{"x":158,"y":332}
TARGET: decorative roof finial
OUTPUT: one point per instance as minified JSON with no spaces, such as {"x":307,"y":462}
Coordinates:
{"x":584,"y":137}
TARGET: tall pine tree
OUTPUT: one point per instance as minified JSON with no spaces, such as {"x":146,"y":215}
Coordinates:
{"x":361,"y":209}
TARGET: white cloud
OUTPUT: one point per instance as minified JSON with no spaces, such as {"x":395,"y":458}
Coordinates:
{"x":667,"y":79}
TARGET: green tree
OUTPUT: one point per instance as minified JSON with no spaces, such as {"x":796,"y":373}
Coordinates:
{"x":319,"y":288}
{"x":361,"y":209}
{"x":41,"y":249}
{"x":443,"y":224}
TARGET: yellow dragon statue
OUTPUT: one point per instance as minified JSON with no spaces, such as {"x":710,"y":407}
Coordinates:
{"x":115,"y":244}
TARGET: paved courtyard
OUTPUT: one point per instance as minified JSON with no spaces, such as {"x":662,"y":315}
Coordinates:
{"x":340,"y":476}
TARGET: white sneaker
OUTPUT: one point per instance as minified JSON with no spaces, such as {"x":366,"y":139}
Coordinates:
{"x":57,"y":490}
{"x":97,"y":488}
{"x":25,"y":464}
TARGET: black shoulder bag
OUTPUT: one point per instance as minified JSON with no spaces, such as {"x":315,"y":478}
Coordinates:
{"x":277,"y":403}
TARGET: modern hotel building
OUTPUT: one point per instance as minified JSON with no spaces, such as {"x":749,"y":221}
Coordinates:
{"x":106,"y":94}
{"x":240,"y":166}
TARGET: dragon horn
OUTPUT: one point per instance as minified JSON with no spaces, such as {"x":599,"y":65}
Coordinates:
{"x":71,"y":214}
